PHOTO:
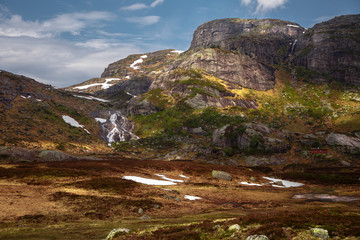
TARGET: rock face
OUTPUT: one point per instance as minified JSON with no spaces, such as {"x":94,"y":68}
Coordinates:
{"x":331,"y":50}
{"x":266,"y":40}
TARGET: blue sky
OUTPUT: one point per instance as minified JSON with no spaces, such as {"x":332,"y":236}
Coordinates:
{"x":63,"y":42}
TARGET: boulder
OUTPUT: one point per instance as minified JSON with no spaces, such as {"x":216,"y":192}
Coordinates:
{"x":320,"y":233}
{"x":234,"y":228}
{"x":54,"y":156}
{"x":221,"y":175}
{"x":343,"y":142}
{"x":15,"y":154}
{"x":117,"y":232}
{"x":257,"y":237}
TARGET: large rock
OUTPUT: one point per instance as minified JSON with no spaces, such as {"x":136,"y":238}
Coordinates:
{"x":54,"y":156}
{"x":320,"y":233}
{"x":116,"y":233}
{"x":15,"y":154}
{"x":343,"y":142}
{"x":221,"y":175}
{"x":330,"y":50}
{"x":257,"y":237}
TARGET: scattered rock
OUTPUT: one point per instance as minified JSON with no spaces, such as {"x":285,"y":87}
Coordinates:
{"x":221,"y":175}
{"x":117,"y":232}
{"x":234,"y":228}
{"x":257,"y":237}
{"x":145,"y":217}
{"x":140,"y":211}
{"x":320,"y":233}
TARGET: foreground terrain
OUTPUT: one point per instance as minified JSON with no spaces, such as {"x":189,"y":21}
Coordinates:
{"x":87,"y":199}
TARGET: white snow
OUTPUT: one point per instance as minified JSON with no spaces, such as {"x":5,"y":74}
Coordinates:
{"x":91,"y":98}
{"x":183,"y":176}
{"x":104,"y":85}
{"x":73,"y":122}
{"x":25,"y":97}
{"x":127,"y":77}
{"x":192,"y":198}
{"x":39,"y":100}
{"x":286,"y":183}
{"x":177,"y":51}
{"x":251,"y":184}
{"x":149,"y":181}
{"x":168,"y":179}
{"x":100,"y":120}
{"x":291,"y":25}
{"x":140,"y":60}
{"x":130,"y":94}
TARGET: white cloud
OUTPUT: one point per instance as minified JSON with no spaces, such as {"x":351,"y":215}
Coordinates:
{"x":263,"y":6}
{"x":60,"y":62}
{"x":157,"y":2}
{"x":134,"y":7}
{"x":139,"y":6}
{"x":16,"y":26}
{"x":147,"y":20}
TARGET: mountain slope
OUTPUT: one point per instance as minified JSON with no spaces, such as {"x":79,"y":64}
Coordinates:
{"x":32,"y":115}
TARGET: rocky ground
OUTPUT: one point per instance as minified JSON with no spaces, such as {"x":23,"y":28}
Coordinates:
{"x":86,"y":199}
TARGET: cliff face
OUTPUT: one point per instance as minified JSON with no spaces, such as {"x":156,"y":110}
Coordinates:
{"x":268,"y":40}
{"x":331,"y":50}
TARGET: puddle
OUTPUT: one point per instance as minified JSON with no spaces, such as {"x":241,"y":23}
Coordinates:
{"x":325,"y":197}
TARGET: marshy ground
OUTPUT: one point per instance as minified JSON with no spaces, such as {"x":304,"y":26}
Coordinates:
{"x":87,"y":199}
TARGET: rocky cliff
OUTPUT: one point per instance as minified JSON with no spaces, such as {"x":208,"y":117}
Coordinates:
{"x":331,"y":51}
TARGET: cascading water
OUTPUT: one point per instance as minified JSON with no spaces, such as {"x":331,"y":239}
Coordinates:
{"x":293,"y":47}
{"x":115,"y":128}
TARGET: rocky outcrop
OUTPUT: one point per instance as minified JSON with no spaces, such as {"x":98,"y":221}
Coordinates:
{"x":330,"y":51}
{"x":320,"y":233}
{"x":249,"y":138}
{"x":266,"y":40}
{"x":344,"y":142}
{"x":238,"y":70}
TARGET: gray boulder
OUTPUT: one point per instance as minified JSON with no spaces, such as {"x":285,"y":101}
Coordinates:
{"x":320,"y":233}
{"x":54,"y":156}
{"x":117,"y":232}
{"x":343,"y":142}
{"x":257,"y":237}
{"x":15,"y":154}
{"x":221,"y":175}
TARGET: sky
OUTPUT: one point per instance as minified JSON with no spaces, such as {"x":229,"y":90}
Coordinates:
{"x":65,"y":42}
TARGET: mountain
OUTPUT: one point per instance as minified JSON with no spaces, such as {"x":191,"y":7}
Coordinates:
{"x":245,"y":89}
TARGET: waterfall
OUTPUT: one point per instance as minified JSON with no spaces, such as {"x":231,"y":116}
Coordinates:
{"x":293,"y":47}
{"x":115,"y":127}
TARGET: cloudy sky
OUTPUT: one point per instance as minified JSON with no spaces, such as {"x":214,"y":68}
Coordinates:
{"x":63,"y":42}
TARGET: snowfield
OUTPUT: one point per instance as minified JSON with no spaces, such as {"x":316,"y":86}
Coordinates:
{"x":91,"y":98}
{"x":104,"y":85}
{"x":192,"y":198}
{"x":73,"y":122}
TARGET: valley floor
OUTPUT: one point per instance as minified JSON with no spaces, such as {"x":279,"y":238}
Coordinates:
{"x":87,"y":199}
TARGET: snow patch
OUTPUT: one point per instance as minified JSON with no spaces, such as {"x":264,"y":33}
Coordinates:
{"x":286,"y":184}
{"x":104,"y":85}
{"x":73,"y":122}
{"x":192,"y":198}
{"x":140,"y":60}
{"x":92,"y":98}
{"x":251,"y":184}
{"x":168,"y":179}
{"x":100,"y":120}
{"x":291,"y":25}
{"x":130,"y":94}
{"x":177,"y":51}
{"x":183,"y":176}
{"x":149,"y":181}
{"x":39,"y":100}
